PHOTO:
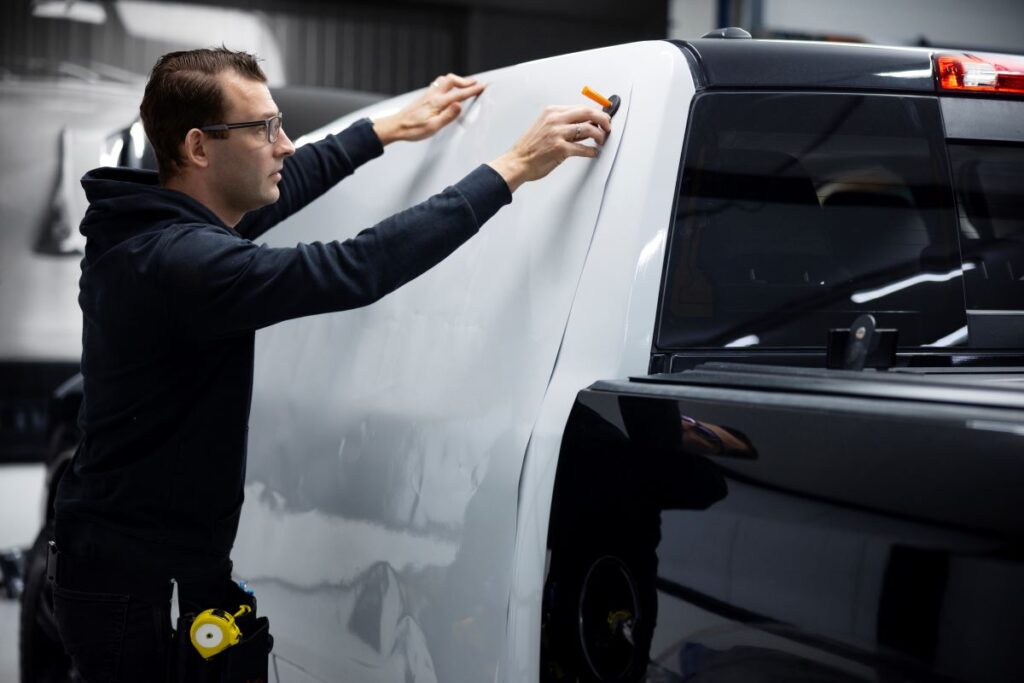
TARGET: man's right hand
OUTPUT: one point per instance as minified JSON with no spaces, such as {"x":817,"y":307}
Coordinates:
{"x":554,"y":137}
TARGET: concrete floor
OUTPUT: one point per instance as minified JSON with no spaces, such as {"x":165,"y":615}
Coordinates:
{"x":21,"y":487}
{"x":8,"y":641}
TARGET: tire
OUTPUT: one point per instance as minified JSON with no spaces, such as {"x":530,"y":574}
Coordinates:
{"x":599,"y":614}
{"x":41,"y":655}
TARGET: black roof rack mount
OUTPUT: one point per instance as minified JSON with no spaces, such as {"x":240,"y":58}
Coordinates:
{"x":728,"y":32}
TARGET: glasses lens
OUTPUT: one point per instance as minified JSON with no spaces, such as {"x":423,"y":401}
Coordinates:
{"x":273,"y":129}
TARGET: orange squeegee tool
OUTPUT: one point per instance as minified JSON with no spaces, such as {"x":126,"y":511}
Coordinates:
{"x":596,"y":96}
{"x":609,"y":105}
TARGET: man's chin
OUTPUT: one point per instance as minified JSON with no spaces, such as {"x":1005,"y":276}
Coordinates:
{"x":271,"y":196}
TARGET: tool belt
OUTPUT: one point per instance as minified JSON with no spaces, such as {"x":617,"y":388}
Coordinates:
{"x":242,"y":654}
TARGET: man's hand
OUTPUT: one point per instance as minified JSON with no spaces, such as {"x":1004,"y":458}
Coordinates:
{"x":429,"y":113}
{"x":554,"y":137}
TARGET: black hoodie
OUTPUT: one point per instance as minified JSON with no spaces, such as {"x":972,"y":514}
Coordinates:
{"x":171,"y":299}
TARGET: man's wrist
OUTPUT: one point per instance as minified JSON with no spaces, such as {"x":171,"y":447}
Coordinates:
{"x":387,"y":130}
{"x":511,"y":169}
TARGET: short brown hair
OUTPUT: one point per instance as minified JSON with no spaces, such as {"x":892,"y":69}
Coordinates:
{"x":183,"y":93}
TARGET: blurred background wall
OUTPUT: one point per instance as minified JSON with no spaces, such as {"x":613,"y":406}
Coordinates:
{"x":387,"y":47}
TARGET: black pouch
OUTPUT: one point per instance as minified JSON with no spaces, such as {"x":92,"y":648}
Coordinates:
{"x":248,"y":661}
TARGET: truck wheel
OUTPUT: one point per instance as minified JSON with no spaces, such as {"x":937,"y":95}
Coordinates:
{"x":42,"y":656}
{"x":599,"y":615}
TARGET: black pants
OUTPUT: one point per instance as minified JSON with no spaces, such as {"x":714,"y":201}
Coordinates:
{"x":114,"y":636}
{"x":121,"y":631}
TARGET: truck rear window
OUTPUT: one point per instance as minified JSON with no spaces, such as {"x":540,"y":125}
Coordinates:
{"x":798,"y":212}
{"x":989,"y":181}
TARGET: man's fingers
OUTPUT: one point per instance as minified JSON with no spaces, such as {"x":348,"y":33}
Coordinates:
{"x":460,"y":94}
{"x":449,"y":81}
{"x":450,"y":113}
{"x":580,"y":115}
{"x":597,"y":118}
{"x":577,"y":132}
{"x":594,"y":132}
{"x":461,"y":81}
{"x":575,"y":149}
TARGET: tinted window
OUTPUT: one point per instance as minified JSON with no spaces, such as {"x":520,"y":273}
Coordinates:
{"x":990,"y":197}
{"x":799,"y":212}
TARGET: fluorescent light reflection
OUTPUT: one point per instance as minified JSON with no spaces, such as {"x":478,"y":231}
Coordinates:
{"x":912,"y":73}
{"x":86,"y":12}
{"x":992,"y":426}
{"x":187,"y":24}
{"x":749,"y":340}
{"x":138,"y":136}
{"x":951,"y":339}
{"x":652,"y":254}
{"x":872,"y":294}
{"x":112,"y":153}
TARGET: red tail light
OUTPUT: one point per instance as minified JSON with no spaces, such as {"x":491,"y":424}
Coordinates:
{"x":968,"y":73}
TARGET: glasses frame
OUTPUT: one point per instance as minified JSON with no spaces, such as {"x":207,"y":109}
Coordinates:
{"x":224,"y":127}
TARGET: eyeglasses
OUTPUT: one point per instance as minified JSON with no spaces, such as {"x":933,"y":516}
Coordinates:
{"x":273,"y":125}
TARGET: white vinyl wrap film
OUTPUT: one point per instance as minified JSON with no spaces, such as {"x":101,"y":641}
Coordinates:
{"x":387,"y":443}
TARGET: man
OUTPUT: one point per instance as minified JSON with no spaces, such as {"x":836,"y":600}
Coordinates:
{"x":172,"y":291}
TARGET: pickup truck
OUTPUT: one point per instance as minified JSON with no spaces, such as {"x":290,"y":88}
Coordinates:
{"x":740,"y":399}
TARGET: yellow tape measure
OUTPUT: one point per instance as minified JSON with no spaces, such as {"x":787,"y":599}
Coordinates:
{"x":214,"y":630}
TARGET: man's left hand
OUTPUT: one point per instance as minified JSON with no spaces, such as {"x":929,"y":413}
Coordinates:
{"x":430,"y":112}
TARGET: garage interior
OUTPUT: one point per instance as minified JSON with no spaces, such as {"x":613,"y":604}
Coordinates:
{"x":72,"y":72}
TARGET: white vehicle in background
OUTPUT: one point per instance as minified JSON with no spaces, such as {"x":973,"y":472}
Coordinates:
{"x":59,"y":114}
{"x":446,"y":486}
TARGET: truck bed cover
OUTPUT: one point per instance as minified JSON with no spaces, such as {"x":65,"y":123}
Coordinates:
{"x":988,"y":387}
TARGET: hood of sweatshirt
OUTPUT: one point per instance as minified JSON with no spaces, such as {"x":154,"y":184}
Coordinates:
{"x":126,"y":203}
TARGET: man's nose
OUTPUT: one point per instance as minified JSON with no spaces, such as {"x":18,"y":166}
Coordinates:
{"x":283,"y":146}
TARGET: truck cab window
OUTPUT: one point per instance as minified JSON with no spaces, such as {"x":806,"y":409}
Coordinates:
{"x":989,"y":181}
{"x":799,"y":212}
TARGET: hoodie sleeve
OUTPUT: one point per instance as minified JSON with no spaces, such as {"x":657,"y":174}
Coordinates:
{"x":311,"y":171}
{"x":218,"y":284}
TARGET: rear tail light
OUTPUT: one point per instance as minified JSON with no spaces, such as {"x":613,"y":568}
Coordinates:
{"x":969,"y":73}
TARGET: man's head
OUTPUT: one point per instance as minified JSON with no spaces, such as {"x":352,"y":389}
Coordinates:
{"x":233,"y":169}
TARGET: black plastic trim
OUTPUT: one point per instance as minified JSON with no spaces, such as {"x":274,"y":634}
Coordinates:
{"x":982,"y":119}
{"x":696,"y":67}
{"x":799,"y":64}
{"x":677,"y":360}
{"x":845,"y":383}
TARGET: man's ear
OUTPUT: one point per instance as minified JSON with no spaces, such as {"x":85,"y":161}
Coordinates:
{"x":194,"y":149}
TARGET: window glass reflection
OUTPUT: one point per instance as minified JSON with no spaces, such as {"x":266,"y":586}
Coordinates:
{"x":797,"y":213}
{"x":990,"y":199}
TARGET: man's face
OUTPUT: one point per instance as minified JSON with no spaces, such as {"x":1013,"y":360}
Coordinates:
{"x":245,"y":168}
